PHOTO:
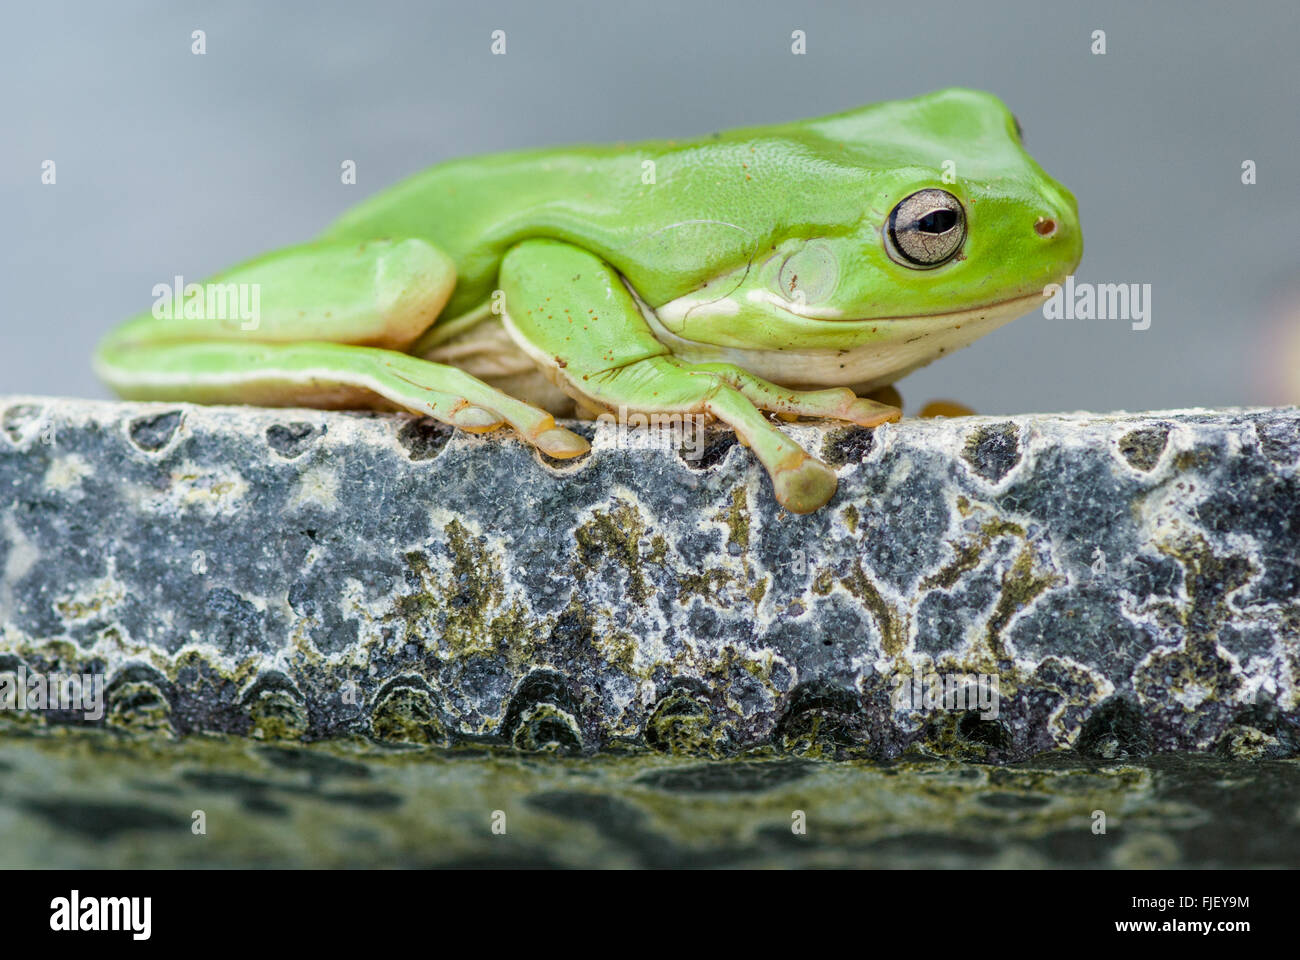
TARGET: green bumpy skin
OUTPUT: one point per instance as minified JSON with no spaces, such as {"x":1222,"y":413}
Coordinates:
{"x":773,"y":270}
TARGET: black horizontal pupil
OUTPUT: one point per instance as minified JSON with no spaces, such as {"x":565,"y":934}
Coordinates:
{"x":937,"y":221}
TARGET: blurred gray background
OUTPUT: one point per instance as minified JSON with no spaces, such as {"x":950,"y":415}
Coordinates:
{"x":172,"y":163}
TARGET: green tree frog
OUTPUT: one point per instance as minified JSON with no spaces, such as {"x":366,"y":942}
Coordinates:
{"x":780,"y":270}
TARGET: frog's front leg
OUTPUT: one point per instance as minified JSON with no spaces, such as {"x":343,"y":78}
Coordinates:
{"x":570,"y":311}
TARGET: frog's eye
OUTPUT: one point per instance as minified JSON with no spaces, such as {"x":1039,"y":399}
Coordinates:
{"x":925,"y":229}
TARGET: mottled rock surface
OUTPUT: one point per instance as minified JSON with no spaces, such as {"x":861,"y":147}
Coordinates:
{"x":1131,"y":580}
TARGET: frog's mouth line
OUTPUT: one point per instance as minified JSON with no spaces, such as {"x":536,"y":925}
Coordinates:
{"x":1019,"y":305}
{"x":881,"y":356}
{"x":677,"y":314}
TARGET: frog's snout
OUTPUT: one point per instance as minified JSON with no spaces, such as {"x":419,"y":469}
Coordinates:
{"x":1057,"y":224}
{"x":1058,"y":214}
{"x":1054,"y":218}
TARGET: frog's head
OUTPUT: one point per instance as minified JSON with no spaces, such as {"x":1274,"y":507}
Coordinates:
{"x":949,"y":229}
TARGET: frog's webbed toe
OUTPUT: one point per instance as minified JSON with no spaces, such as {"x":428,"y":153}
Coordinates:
{"x":805,"y":486}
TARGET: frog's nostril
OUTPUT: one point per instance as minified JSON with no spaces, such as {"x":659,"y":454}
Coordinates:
{"x":1044,"y":226}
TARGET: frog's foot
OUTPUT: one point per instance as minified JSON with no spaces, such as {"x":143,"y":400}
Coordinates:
{"x":666,"y":385}
{"x":837,"y":403}
{"x":888,"y":395}
{"x":804,"y":485}
{"x":801,"y":482}
{"x":945,"y":408}
{"x":464,"y":401}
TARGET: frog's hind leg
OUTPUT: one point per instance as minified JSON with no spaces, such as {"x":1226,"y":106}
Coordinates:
{"x":327,"y":315}
{"x":329,"y":376}
{"x":383,"y":293}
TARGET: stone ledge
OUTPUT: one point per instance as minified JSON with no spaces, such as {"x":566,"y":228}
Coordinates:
{"x":1131,"y":580}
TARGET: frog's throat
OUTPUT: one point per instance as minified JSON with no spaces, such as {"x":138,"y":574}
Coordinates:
{"x":912,"y":342}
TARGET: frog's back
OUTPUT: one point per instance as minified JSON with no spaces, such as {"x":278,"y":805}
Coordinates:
{"x":671,"y":215}
{"x":668,"y":214}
